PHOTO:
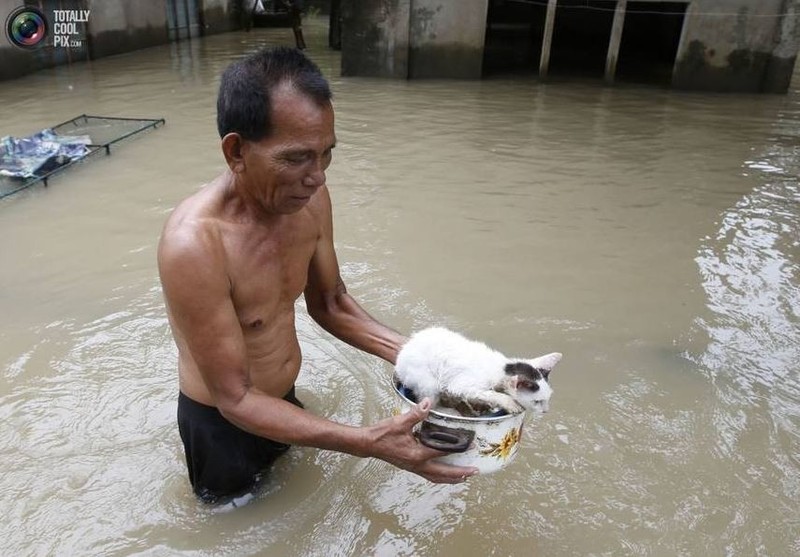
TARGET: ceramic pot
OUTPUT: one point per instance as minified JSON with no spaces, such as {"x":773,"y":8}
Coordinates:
{"x":488,"y":443}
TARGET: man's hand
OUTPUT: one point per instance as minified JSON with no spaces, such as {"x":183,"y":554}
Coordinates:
{"x":393,"y":440}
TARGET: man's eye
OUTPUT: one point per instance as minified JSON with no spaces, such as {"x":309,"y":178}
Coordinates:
{"x":296,"y":159}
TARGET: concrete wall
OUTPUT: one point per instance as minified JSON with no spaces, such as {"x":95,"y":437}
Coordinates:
{"x":753,"y":50}
{"x":375,"y":38}
{"x":726,"y":45}
{"x":117,"y":26}
{"x":413,"y":38}
{"x":783,"y":64}
{"x":446,"y":38}
{"x":220,"y":16}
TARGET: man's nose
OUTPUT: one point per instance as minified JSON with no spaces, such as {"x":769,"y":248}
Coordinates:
{"x":316,"y":177}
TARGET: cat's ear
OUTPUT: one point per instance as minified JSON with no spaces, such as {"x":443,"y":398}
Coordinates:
{"x":546,"y":363}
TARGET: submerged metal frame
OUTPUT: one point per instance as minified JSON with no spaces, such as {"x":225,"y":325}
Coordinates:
{"x":94,"y":148}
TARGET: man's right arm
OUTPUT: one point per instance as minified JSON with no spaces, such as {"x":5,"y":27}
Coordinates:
{"x":197,"y":292}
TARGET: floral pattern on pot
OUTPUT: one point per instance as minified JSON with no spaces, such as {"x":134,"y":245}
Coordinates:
{"x":505,"y":447}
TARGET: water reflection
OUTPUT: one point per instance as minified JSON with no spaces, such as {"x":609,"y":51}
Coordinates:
{"x":750,"y":275}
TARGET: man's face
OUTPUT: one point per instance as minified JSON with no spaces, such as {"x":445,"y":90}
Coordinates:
{"x":285,"y":169}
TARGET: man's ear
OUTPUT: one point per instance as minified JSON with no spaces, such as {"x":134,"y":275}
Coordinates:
{"x":232,"y":148}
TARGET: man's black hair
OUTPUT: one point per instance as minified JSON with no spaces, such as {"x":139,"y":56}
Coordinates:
{"x":245,"y":91}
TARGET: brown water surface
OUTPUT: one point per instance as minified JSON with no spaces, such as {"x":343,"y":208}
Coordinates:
{"x":651,"y":236}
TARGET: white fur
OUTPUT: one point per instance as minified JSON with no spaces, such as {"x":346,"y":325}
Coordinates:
{"x":436,"y":361}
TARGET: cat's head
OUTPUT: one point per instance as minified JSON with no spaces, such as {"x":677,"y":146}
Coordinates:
{"x":530,"y":381}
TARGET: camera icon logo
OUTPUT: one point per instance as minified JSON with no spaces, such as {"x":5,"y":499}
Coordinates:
{"x":26,"y":27}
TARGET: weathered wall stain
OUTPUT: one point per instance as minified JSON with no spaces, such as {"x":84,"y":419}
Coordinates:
{"x":217,"y":19}
{"x":423,"y":23}
{"x":446,"y":39}
{"x":453,"y":61}
{"x":375,"y":38}
{"x":744,"y":70}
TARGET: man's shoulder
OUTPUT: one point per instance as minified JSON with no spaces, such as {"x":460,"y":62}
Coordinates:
{"x":320,"y":204}
{"x":191,"y":230}
{"x":187,"y":224}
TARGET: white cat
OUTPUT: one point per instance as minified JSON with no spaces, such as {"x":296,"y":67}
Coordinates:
{"x":472,"y":378}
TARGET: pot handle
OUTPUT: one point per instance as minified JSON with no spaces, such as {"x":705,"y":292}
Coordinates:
{"x":446,"y":439}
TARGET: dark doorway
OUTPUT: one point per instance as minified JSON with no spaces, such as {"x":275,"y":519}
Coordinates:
{"x":650,"y":40}
{"x":581,"y":34}
{"x":514,"y":31}
{"x":335,"y":25}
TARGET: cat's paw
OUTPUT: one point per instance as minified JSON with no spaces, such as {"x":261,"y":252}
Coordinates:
{"x":512,"y":406}
{"x":494,"y":399}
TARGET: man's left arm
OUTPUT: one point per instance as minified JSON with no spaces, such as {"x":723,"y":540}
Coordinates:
{"x":332,"y":307}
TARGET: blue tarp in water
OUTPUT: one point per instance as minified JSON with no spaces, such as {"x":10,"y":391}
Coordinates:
{"x":22,"y":157}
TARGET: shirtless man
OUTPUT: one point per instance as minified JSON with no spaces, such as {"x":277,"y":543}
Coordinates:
{"x":235,"y":256}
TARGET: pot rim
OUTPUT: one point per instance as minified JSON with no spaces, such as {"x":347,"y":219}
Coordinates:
{"x":478,"y":419}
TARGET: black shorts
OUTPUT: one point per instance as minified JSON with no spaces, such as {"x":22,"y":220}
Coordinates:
{"x":223,"y":460}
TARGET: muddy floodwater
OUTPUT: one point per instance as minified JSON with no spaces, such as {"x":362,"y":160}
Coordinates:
{"x":651,"y":236}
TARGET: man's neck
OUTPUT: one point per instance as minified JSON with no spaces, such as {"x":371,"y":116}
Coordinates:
{"x":240,"y":205}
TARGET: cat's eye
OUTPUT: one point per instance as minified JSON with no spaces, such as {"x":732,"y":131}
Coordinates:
{"x":532,"y":387}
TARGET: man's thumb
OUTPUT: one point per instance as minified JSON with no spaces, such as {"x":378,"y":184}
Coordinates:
{"x":421,"y":410}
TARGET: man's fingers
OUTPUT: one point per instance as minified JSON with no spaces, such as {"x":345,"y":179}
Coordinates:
{"x":428,"y":453}
{"x":445,"y":473}
{"x":423,"y":456}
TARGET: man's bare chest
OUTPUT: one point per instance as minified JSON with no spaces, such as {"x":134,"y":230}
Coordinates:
{"x":268,"y":276}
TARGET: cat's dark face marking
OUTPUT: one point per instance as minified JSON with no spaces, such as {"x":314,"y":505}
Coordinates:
{"x":529,"y":375}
